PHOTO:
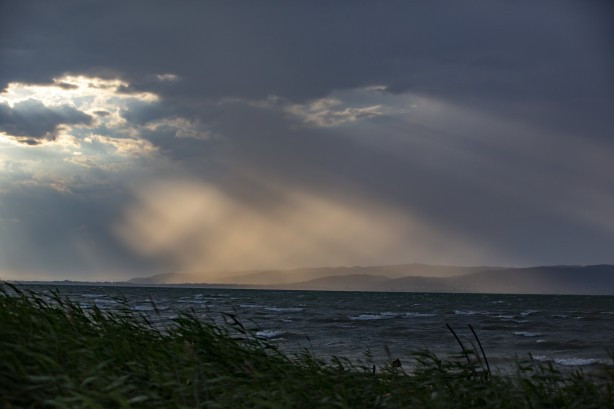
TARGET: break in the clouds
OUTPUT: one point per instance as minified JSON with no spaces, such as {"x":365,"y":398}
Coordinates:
{"x":156,"y":136}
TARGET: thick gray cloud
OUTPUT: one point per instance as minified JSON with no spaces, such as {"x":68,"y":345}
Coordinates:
{"x":491,"y":121}
{"x":31,"y":121}
{"x":547,"y":50}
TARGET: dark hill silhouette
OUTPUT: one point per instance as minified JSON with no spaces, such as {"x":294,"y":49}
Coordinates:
{"x":595,"y":279}
{"x":275,"y":277}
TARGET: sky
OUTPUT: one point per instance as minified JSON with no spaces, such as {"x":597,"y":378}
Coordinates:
{"x":145,"y":137}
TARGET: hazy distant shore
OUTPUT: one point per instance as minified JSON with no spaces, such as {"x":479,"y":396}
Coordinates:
{"x":589,"y":280}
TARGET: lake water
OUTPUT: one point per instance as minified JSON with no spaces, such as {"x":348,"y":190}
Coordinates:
{"x":568,"y":331}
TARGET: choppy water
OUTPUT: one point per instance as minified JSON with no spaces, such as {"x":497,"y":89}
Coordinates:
{"x":566,"y":330}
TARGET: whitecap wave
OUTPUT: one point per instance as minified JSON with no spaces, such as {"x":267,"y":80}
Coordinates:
{"x":269,"y":334}
{"x":504,"y":316}
{"x":568,"y":361}
{"x":575,"y":361}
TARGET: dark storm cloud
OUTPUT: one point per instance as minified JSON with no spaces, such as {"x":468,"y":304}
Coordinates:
{"x":552,"y":57}
{"x":480,"y":53}
{"x":32,"y":122}
{"x":511,"y":147}
{"x":304,"y":50}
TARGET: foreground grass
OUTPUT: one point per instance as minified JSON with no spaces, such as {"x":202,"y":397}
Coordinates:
{"x":55,"y":354}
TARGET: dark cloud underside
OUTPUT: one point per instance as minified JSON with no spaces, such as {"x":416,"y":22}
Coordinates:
{"x":489,"y":122}
{"x":32,"y":122}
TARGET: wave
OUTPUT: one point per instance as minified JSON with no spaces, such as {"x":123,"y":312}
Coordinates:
{"x":504,"y":316}
{"x":576,"y":361}
{"x":527,"y":334}
{"x":274,"y":309}
{"x":516,"y":321}
{"x":469,"y":312}
{"x":369,"y":317}
{"x":418,"y":314}
{"x":568,"y":361}
{"x":549,"y":344}
{"x":105,"y":301}
{"x":512,"y":319}
{"x":389,"y":315}
{"x":541,"y":358}
{"x":269,"y":333}
{"x":528,"y":312}
{"x":284,"y":309}
{"x":143,"y":308}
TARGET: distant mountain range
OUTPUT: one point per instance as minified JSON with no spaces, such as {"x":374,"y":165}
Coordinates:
{"x":595,"y":279}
